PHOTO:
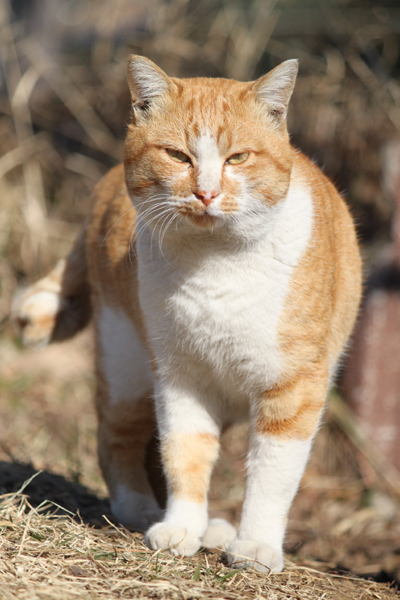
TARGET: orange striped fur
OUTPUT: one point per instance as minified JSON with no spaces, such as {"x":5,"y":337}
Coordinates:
{"x":224,"y":279}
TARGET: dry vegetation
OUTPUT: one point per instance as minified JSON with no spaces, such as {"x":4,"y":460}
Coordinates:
{"x":56,"y":543}
{"x":63,"y":106}
{"x":49,"y":557}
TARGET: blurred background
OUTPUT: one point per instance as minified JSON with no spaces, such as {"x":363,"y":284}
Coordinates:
{"x":64,"y":105}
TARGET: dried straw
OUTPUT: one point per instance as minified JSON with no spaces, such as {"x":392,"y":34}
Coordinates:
{"x":47,"y":554}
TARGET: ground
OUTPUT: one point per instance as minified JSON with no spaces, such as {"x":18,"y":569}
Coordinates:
{"x":59,"y":539}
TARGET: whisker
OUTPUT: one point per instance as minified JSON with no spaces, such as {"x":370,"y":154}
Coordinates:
{"x":150,"y":210}
{"x":162,"y":234}
{"x":245,"y":123}
{"x":142,"y":216}
{"x":154,"y":229}
{"x":145,"y":224}
{"x":148,"y":222}
{"x":117,"y":221}
{"x":166,"y":227}
{"x":139,"y":232}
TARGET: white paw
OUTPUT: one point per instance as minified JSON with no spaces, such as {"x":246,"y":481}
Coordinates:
{"x":34,"y":311}
{"x":248,"y":553}
{"x":35,"y":317}
{"x":219,"y":534}
{"x":177,"y":540}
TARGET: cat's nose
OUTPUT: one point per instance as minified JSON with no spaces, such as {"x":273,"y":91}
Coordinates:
{"x":206,"y":197}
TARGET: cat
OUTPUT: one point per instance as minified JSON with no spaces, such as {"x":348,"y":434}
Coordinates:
{"x":224,"y":277}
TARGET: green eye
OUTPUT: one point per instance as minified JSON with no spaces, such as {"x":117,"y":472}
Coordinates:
{"x":178,"y":156}
{"x":236,"y":159}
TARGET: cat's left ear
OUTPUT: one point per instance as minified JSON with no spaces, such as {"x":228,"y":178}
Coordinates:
{"x":147,"y":82}
{"x":276,"y":87}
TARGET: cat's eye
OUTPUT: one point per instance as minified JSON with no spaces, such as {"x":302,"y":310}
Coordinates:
{"x":178,"y":156}
{"x":236,"y":159}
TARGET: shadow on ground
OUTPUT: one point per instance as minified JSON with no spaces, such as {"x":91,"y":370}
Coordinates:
{"x":73,"y":497}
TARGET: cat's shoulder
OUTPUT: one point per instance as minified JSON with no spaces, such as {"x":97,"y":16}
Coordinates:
{"x":306,"y":173}
{"x":112,"y":213}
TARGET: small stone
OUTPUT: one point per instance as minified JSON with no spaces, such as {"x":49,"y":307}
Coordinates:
{"x":78,"y":572}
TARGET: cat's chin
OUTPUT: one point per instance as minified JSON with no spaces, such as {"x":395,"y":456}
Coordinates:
{"x":202,"y":220}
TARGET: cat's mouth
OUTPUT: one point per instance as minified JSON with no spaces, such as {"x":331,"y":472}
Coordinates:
{"x":198,"y":215}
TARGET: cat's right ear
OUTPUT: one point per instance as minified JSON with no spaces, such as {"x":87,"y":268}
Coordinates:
{"x":147,"y":82}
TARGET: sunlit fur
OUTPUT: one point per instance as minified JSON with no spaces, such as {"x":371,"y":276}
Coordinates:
{"x":220,"y":291}
{"x":209,"y":120}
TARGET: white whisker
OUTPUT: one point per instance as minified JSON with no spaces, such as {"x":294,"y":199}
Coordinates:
{"x":174,"y":216}
{"x":117,"y":221}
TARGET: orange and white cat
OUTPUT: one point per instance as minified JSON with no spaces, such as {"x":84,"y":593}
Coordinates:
{"x":224,"y":278}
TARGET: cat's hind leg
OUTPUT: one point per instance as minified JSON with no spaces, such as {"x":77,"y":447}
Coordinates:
{"x":219,"y":534}
{"x":35,"y":310}
{"x":126,"y":418}
{"x":57,"y":306}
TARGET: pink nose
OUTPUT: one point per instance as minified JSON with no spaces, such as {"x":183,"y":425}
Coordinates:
{"x":206,"y":197}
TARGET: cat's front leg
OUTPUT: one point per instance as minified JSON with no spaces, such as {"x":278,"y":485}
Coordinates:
{"x":275,"y":468}
{"x":282,"y":431}
{"x":189,"y":448}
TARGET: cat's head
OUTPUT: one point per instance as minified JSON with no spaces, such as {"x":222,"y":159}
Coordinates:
{"x":208,"y":153}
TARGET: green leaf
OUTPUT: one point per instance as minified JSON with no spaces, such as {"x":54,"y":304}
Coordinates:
{"x":197,"y":572}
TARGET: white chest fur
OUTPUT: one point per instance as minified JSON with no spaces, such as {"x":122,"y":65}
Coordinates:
{"x":214,"y":314}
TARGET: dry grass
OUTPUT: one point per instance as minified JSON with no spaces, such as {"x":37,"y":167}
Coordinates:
{"x":62,"y":123}
{"x":341,"y":520}
{"x":47,"y":556}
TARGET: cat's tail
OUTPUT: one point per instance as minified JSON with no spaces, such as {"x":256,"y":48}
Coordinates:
{"x":56,"y":307}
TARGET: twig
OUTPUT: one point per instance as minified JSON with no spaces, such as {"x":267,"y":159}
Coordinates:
{"x":346,"y":420}
{"x":34,"y":206}
{"x":74,"y":100}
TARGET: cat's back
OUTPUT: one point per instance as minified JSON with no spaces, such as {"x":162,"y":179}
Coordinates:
{"x":111,"y":231}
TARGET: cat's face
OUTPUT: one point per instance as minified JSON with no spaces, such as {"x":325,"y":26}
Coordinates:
{"x":207,"y":153}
